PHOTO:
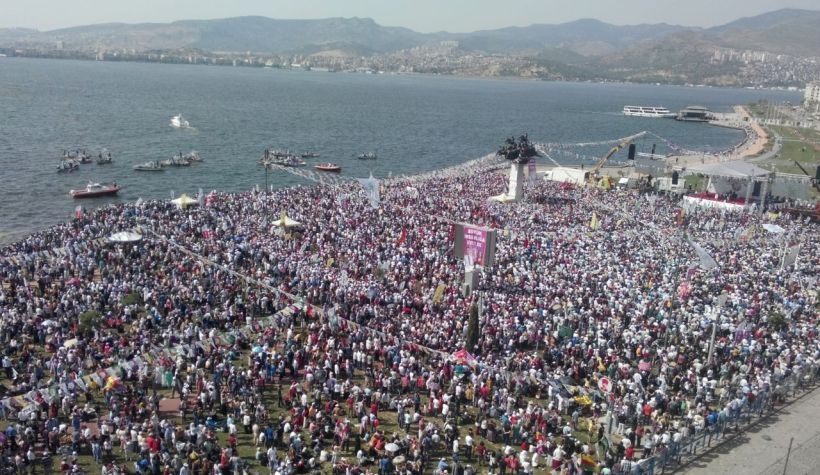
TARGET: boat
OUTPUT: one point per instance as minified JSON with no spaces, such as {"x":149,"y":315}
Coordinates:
{"x":67,"y":166}
{"x":79,"y":156}
{"x":152,"y":166}
{"x":286,"y":161}
{"x":177,"y":161}
{"x":179,"y":122}
{"x":648,"y":111}
{"x":367,"y":156}
{"x":310,"y":155}
{"x":192,"y":156}
{"x":104,"y":158}
{"x":94,"y":190}
{"x":328,"y":167}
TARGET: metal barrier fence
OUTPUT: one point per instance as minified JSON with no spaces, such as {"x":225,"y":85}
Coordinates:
{"x":676,"y":455}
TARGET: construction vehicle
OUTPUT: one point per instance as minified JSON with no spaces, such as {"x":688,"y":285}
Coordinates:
{"x":594,"y":177}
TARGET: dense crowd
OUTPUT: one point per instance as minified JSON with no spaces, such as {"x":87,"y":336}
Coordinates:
{"x":299,"y":339}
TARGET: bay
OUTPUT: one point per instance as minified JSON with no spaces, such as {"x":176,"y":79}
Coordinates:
{"x":414,"y":123}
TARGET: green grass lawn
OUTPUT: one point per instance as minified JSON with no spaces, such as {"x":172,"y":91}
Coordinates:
{"x":246,"y":444}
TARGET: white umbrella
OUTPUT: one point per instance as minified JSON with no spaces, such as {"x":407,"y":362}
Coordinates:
{"x":287,"y":223}
{"x":391,"y":447}
{"x":125,"y":236}
{"x":184,"y":201}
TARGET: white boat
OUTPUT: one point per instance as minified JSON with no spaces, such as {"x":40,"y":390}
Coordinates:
{"x":93,"y":190}
{"x":648,"y":111}
{"x":152,"y":166}
{"x":179,"y":122}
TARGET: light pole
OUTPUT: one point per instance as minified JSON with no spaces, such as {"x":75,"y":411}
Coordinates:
{"x":721,"y":300}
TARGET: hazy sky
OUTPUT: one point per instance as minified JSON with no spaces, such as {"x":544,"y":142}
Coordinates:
{"x":420,"y":15}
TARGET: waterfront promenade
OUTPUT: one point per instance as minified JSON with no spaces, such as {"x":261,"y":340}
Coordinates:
{"x":752,"y":145}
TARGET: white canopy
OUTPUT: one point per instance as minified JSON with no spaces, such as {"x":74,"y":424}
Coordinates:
{"x":733,"y":169}
{"x":184,"y":201}
{"x":773,"y":228}
{"x":125,"y":236}
{"x":289,"y":223}
{"x":502,"y":198}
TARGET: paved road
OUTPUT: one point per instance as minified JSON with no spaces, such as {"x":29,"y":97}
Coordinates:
{"x":755,"y":450}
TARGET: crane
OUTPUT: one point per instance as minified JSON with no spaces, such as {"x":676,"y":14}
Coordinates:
{"x":593,"y":174}
{"x":814,"y":183}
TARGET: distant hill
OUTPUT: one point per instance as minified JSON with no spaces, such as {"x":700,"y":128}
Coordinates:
{"x":239,"y":35}
{"x":743,"y":52}
{"x":265,"y":35}
{"x":787,"y":31}
{"x":573,"y":35}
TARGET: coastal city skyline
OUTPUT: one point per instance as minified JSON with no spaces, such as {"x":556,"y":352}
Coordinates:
{"x":422,"y":16}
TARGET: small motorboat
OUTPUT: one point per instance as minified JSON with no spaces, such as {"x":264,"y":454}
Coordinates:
{"x":328,"y":167}
{"x":367,"y":156}
{"x":67,"y":166}
{"x":310,"y":155}
{"x":192,"y":156}
{"x":79,"y":156}
{"x":104,"y":158}
{"x":179,"y":122}
{"x":94,"y":190}
{"x":152,"y":166}
{"x":286,"y":161}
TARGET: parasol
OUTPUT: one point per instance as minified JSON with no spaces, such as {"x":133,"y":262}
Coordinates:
{"x":391,"y":447}
{"x":184,"y":201}
{"x":124,"y":236}
{"x":70,"y":343}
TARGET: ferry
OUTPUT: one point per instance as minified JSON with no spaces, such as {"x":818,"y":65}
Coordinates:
{"x":648,"y":111}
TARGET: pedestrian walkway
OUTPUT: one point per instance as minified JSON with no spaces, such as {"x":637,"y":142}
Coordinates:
{"x":757,"y":449}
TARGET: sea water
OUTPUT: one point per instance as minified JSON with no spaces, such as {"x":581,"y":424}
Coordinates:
{"x":414,"y":123}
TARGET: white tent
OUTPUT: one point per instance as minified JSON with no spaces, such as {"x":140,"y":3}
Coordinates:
{"x":125,"y":236}
{"x":184,"y":201}
{"x":502,"y":198}
{"x":734,"y":169}
{"x":289,"y":223}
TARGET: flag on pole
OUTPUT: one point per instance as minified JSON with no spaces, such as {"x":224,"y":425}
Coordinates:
{"x":78,"y":212}
{"x":593,"y":223}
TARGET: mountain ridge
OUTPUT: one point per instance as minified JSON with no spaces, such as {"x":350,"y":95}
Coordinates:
{"x":740,"y":52}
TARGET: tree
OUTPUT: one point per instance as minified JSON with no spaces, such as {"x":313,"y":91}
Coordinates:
{"x":777,"y":321}
{"x":472,"y":328}
{"x":88,"y":321}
